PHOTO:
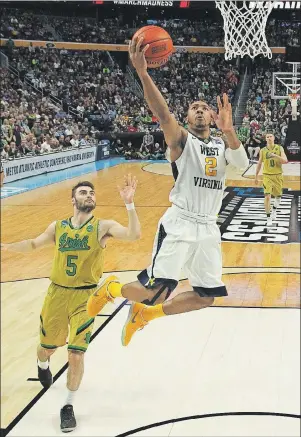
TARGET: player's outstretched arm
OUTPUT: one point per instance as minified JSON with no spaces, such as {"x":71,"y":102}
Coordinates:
{"x":133,"y":230}
{"x":48,"y":237}
{"x":235,"y":153}
{"x":175,"y":135}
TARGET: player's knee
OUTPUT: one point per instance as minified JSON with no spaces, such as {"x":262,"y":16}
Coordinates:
{"x":75,"y":356}
{"x":46,"y":352}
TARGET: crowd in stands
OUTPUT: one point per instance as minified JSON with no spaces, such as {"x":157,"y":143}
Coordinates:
{"x":195,"y":76}
{"x":147,"y":150}
{"x":101,"y":97}
{"x":202,"y":31}
{"x":108,"y":31}
{"x":19,"y":24}
{"x":264,"y":114}
{"x":99,"y":90}
{"x":32,"y":125}
{"x":180,"y":83}
{"x":87,"y":81}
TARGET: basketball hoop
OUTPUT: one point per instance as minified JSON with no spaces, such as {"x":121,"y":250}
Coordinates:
{"x":244,"y":27}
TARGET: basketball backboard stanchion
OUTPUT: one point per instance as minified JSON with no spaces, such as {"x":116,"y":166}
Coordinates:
{"x":294,"y":98}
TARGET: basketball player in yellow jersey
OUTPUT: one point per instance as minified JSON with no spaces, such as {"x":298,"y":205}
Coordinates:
{"x":272,"y":156}
{"x":78,"y":265}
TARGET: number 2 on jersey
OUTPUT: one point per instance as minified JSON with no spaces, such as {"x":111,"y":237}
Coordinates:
{"x":72,"y":265}
{"x":211,"y":164}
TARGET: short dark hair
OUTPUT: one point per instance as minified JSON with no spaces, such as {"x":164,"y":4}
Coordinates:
{"x":82,"y":184}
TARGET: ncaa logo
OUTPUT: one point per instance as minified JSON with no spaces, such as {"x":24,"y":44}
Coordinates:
{"x":293,"y":147}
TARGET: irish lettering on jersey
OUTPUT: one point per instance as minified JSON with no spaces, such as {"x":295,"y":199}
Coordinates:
{"x":68,"y":243}
{"x":200,"y":176}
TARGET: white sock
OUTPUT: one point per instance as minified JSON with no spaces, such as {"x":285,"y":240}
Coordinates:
{"x":43,"y":364}
{"x":70,"y":397}
{"x":277,"y":201}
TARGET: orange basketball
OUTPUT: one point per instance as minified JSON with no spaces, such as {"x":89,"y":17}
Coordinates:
{"x":160,"y":45}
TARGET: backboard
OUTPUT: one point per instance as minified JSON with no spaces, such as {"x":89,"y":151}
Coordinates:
{"x":285,"y":83}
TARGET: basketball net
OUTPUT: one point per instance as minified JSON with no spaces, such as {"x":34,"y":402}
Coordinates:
{"x":244,"y":28}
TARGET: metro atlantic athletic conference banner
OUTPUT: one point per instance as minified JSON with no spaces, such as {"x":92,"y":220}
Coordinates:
{"x":34,"y":165}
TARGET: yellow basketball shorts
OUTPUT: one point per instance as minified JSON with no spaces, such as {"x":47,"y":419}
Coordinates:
{"x":64,"y":310}
{"x":273,"y":184}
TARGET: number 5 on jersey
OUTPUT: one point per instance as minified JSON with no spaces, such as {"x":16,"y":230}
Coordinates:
{"x":72,"y":266}
{"x":211,"y":164}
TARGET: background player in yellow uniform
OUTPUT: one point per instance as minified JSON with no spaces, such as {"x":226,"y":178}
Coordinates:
{"x":77,"y":267}
{"x":272,"y":156}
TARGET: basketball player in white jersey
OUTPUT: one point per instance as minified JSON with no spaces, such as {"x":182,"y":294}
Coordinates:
{"x":188,"y":238}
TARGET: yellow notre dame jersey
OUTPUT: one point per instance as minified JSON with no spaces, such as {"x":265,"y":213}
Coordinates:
{"x":79,"y":258}
{"x":270,"y":165}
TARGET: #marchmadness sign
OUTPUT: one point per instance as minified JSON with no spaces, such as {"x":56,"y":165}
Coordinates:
{"x":162,"y":3}
{"x":242,"y":217}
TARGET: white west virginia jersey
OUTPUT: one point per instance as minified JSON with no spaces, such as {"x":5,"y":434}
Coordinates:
{"x":199,"y":176}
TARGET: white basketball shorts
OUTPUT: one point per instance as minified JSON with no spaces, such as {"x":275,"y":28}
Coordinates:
{"x":186,"y":245}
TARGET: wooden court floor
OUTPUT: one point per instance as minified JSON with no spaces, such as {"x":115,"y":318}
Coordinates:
{"x":256,"y":274}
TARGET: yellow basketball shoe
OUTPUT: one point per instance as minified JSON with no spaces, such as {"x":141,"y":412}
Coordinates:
{"x":100,"y":297}
{"x":135,"y":322}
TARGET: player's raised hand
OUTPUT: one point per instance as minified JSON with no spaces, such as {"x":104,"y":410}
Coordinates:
{"x":137,"y":55}
{"x":224,"y":119}
{"x":127,"y":191}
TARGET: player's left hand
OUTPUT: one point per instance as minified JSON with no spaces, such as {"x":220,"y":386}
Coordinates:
{"x":127,"y":191}
{"x":224,"y":119}
{"x":272,"y":155}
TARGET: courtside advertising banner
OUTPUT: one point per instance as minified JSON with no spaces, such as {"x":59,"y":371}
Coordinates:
{"x":35,"y":165}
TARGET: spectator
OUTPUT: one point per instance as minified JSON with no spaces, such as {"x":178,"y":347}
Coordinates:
{"x":253,"y":147}
{"x":158,"y":152}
